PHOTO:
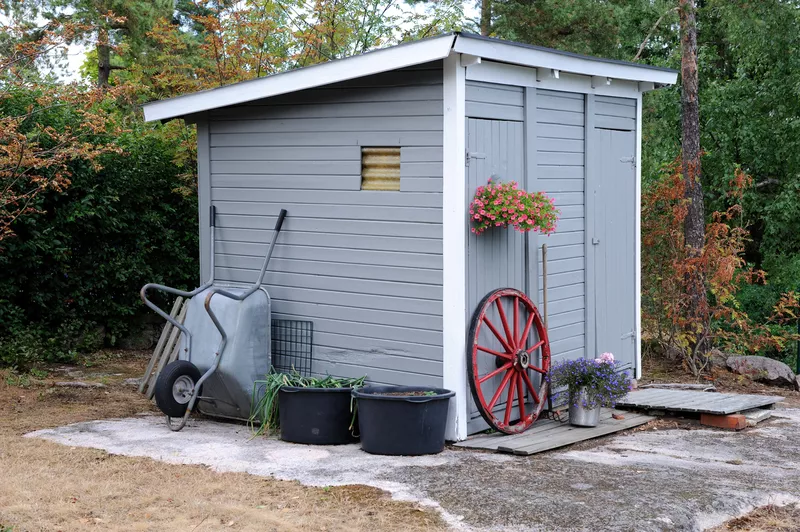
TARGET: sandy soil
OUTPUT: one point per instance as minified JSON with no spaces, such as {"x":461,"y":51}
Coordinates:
{"x":47,"y":486}
{"x":766,"y":519}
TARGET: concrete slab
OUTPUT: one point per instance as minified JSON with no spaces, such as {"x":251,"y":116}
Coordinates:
{"x":650,"y":481}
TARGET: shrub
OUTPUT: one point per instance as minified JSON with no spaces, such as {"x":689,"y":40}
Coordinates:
{"x":75,"y":266}
{"x":668,"y":269}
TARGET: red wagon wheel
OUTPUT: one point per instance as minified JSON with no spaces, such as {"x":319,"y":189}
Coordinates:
{"x":508,"y":358}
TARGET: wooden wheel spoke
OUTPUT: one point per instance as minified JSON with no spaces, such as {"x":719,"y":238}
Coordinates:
{"x":520,"y":396}
{"x":531,"y":389}
{"x":512,"y":341}
{"x":510,"y":399}
{"x":497,"y":334}
{"x":537,"y":370}
{"x":504,"y":356}
{"x":499,"y":391}
{"x":499,"y":370}
{"x":539,"y":344}
{"x":516,"y":322}
{"x":527,"y":330}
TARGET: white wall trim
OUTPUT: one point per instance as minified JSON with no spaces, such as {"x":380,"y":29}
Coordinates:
{"x":494,"y":72}
{"x":204,"y":197}
{"x":454,"y":300}
{"x":563,"y":62}
{"x":357,"y":66}
{"x":638,"y":240}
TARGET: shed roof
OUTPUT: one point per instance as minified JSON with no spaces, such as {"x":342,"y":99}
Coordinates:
{"x":401,"y":56}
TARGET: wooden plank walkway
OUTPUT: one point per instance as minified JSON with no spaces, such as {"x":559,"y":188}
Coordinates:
{"x":695,"y":402}
{"x":547,"y":434}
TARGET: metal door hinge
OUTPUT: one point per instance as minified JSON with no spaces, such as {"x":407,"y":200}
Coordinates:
{"x":631,"y":160}
{"x":473,"y":155}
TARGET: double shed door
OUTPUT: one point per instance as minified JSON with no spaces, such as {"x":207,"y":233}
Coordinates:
{"x":496,"y":258}
{"x":507,"y":258}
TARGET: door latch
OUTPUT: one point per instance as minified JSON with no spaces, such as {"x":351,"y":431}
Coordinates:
{"x":595,"y":241}
{"x":631,"y":160}
{"x":474,"y":155}
{"x":631,"y":335}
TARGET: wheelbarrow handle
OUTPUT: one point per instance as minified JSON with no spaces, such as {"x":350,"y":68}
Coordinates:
{"x":279,"y":223}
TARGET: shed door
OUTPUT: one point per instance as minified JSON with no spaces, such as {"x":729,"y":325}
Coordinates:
{"x":496,"y":259}
{"x":613,"y":244}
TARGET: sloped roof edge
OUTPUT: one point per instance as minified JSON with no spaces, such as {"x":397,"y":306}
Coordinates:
{"x":401,"y":56}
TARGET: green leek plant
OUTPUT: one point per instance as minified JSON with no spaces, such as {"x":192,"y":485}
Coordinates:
{"x":264,"y":411}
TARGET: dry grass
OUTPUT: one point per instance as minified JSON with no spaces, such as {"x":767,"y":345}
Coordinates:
{"x":766,"y":519}
{"x":47,"y":486}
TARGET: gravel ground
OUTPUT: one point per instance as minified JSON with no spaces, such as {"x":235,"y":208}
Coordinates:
{"x":673,"y":479}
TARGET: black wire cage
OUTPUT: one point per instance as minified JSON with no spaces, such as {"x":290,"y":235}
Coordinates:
{"x":292,"y":342}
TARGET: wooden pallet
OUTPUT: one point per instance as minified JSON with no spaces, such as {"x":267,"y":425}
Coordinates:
{"x":166,"y":349}
{"x":695,"y":402}
{"x":547,"y":434}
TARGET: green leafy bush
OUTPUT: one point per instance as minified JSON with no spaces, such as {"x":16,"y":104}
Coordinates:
{"x":73,"y":271}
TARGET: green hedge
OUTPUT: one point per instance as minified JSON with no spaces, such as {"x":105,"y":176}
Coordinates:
{"x":71,"y":276}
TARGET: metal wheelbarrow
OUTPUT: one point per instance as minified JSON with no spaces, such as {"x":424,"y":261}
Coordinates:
{"x":222,"y":350}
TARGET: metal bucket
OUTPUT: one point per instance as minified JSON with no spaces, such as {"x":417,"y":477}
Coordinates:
{"x":579,"y":415}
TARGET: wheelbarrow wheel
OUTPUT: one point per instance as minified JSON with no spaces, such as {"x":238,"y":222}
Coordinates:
{"x":174,"y":387}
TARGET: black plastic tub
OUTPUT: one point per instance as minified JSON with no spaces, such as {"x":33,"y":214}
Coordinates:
{"x":402,"y":424}
{"x":319,"y":416}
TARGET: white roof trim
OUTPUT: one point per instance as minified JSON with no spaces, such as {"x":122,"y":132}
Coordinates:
{"x":401,"y":56}
{"x":384,"y":60}
{"x":543,"y":58}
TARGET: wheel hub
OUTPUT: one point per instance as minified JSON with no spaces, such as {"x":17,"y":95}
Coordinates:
{"x":182,"y":389}
{"x":522,"y":359}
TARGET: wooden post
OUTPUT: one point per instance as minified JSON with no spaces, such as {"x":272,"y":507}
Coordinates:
{"x":544,"y":283}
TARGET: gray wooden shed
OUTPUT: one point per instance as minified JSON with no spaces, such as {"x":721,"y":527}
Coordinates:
{"x":376,"y":157}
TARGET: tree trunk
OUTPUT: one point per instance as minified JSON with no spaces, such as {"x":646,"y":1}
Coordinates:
{"x":103,"y":58}
{"x":694,"y":224}
{"x":486,"y":17}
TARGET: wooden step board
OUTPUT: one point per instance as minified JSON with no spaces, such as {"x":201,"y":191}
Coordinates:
{"x":547,"y":434}
{"x":695,"y":402}
{"x":166,"y":349}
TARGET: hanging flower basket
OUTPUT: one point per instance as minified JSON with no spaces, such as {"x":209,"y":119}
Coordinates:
{"x":505,"y":205}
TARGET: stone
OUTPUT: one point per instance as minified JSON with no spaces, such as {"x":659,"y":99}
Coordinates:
{"x":763,"y":369}
{"x":756,"y":415}
{"x":78,"y":384}
{"x":141,"y":337}
{"x":717,"y":359}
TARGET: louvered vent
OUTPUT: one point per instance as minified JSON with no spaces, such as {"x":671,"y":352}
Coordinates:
{"x":380,"y":168}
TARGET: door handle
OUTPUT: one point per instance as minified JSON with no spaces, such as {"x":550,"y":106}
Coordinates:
{"x":595,"y":241}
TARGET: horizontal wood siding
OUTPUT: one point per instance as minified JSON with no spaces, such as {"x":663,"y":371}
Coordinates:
{"x":560,"y":174}
{"x":494,"y":102}
{"x":615,"y":113}
{"x":364,"y":266}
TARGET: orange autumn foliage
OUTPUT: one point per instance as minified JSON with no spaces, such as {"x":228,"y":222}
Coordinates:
{"x":34,"y":155}
{"x":668,"y":269}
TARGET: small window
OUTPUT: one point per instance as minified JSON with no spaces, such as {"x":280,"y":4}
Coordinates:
{"x":380,"y":168}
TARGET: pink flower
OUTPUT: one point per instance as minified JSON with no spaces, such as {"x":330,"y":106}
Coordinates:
{"x":606,"y":358}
